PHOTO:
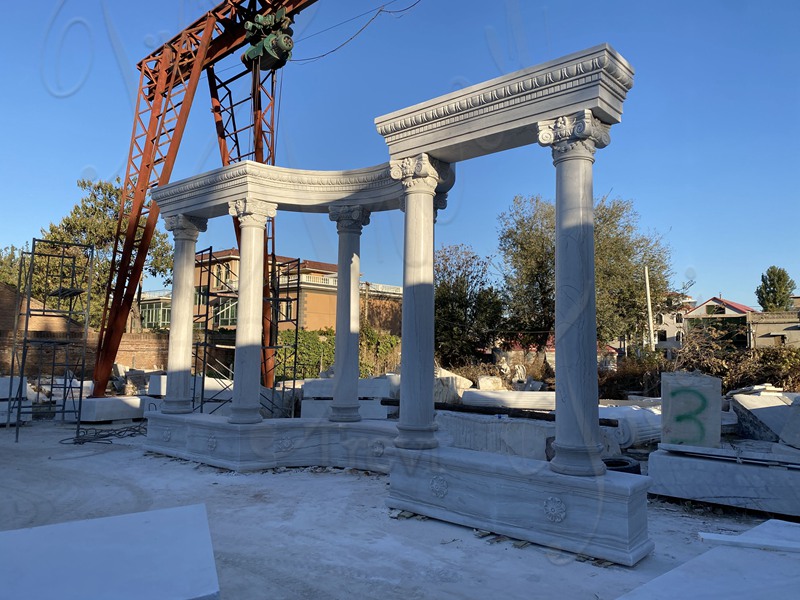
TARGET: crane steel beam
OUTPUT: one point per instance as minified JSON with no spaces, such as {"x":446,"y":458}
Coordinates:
{"x":168,"y":83}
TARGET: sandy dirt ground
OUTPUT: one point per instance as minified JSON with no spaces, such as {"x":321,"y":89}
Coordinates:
{"x":321,"y":533}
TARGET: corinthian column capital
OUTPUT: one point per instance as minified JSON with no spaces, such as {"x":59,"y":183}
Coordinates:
{"x":422,"y":173}
{"x":252,"y":213}
{"x":185,"y":227}
{"x":573,"y":136}
{"x":349,"y":218}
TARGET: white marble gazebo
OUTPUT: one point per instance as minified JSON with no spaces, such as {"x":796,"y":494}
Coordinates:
{"x":567,"y":105}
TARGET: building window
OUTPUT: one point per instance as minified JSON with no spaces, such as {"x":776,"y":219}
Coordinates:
{"x":155,"y":315}
{"x":715,"y":309}
{"x":679,"y":337}
{"x":286,"y":310}
{"x":200,"y":295}
{"x":225,"y":316}
{"x":659,"y":319}
{"x":662,"y":335}
{"x":679,"y":317}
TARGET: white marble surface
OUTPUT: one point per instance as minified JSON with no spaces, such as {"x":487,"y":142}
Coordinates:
{"x":733,"y":572}
{"x":603,"y":517}
{"x":209,"y":193}
{"x":321,"y":409}
{"x":732,"y":478}
{"x":159,"y":555}
{"x":375,"y":387}
{"x":510,"y":399}
{"x":113,"y":408}
{"x":9,"y":387}
{"x":185,"y":231}
{"x":499,"y":114}
{"x":691,"y":405}
{"x":213,"y":440}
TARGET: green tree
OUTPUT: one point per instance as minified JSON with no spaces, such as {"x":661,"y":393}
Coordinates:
{"x":93,"y":221}
{"x":775,"y":292}
{"x":468,"y":307}
{"x":527,"y":241}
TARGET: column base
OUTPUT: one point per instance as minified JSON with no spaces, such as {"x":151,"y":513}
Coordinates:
{"x":347,"y":413}
{"x":176,"y":407}
{"x":583,"y":461}
{"x":416,"y":438}
{"x":244,"y":416}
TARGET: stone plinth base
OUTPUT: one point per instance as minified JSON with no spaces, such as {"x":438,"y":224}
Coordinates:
{"x":603,"y":517}
{"x":210,"y":439}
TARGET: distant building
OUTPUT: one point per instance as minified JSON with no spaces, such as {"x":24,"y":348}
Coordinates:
{"x":315,"y":305}
{"x":723,"y":314}
{"x":669,"y":325}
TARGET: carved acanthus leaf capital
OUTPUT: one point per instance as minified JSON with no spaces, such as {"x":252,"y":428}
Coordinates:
{"x":252,"y":213}
{"x":349,"y":218}
{"x":580,"y":132}
{"x":422,"y":173}
{"x":185,"y":227}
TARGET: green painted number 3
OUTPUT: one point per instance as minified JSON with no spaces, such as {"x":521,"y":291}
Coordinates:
{"x":691,"y":416}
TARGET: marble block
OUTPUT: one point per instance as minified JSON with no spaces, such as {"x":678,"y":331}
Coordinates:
{"x":490,"y":382}
{"x":733,"y":572}
{"x":9,"y":387}
{"x":757,"y":481}
{"x":790,"y":433}
{"x":448,"y":386}
{"x":762,"y":416}
{"x":112,"y":408}
{"x":159,"y":555}
{"x":691,"y":409}
{"x":510,"y":399}
{"x":24,"y":416}
{"x":603,"y":517}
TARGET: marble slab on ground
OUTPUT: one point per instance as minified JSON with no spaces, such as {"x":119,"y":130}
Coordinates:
{"x":367,"y":388}
{"x":510,"y":399}
{"x":159,"y":555}
{"x":765,"y":481}
{"x":733,"y":572}
{"x":113,"y":408}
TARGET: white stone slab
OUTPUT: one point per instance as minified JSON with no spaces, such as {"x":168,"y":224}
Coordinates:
{"x":24,"y":413}
{"x":314,"y":408}
{"x":752,"y":482}
{"x":790,"y":434}
{"x":732,"y":572}
{"x":770,"y":411}
{"x":159,"y":555}
{"x":510,"y":399}
{"x":691,"y":409}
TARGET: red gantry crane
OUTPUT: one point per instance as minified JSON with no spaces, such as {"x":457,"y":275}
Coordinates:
{"x":168,"y":82}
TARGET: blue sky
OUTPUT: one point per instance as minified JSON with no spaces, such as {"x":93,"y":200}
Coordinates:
{"x":707,"y":148}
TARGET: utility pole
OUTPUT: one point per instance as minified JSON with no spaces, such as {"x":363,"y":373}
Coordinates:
{"x":651,"y":339}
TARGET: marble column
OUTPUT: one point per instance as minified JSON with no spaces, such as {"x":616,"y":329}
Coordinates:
{"x":185,"y":230}
{"x":350,"y":220}
{"x":423,"y":178}
{"x":574,"y":139}
{"x":252,"y":215}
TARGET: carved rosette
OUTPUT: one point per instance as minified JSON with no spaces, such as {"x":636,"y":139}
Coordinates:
{"x":580,"y":133}
{"x":185,"y":227}
{"x":439,"y":486}
{"x":349,"y":218}
{"x":284,"y":444}
{"x":212,"y":442}
{"x":554,"y":509}
{"x":252,"y":213}
{"x":378,"y":448}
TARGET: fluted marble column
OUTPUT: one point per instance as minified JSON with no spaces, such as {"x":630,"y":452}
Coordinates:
{"x":422,"y":178}
{"x":350,"y":220}
{"x":185,"y":230}
{"x":574,"y":139}
{"x":252,"y":215}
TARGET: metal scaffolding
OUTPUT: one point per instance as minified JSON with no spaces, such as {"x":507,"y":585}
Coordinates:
{"x":51,"y":327}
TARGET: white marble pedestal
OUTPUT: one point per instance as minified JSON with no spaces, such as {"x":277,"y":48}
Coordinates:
{"x":604,"y":517}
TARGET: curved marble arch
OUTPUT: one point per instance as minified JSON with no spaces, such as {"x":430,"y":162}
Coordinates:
{"x":567,"y":105}
{"x":208,"y":195}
